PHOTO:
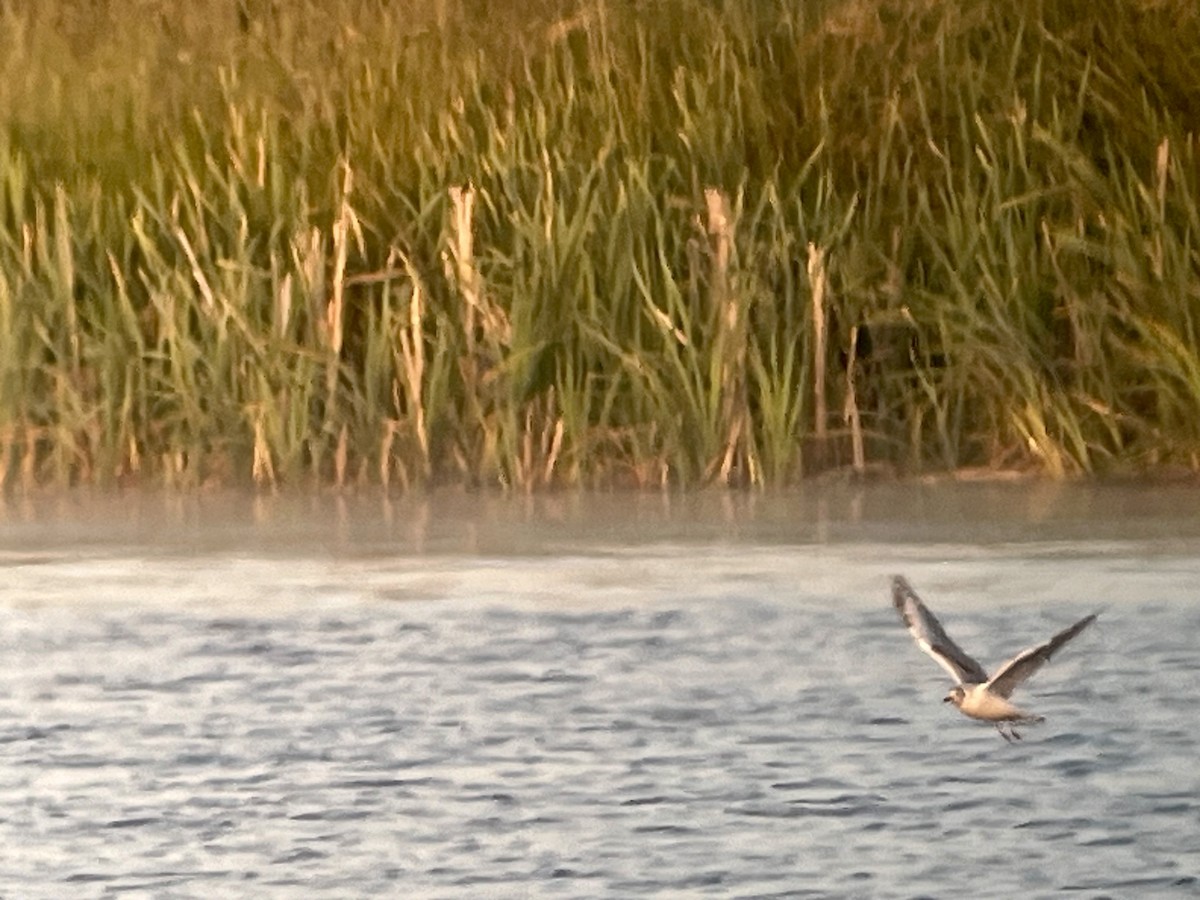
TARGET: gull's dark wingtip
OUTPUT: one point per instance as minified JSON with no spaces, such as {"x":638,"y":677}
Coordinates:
{"x":1082,"y":624}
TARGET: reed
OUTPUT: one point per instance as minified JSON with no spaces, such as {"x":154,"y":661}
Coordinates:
{"x":559,"y":243}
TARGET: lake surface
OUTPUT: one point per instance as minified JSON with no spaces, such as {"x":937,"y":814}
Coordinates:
{"x":619,"y":696}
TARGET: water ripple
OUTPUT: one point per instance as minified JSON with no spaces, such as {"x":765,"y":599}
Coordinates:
{"x":742,"y":739}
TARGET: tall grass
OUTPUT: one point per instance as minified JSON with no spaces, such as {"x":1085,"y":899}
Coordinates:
{"x":579,"y":242}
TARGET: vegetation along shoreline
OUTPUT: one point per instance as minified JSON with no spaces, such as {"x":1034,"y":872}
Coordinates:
{"x":583,"y":243}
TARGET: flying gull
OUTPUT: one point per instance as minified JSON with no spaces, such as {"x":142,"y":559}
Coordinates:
{"x":976,"y":695}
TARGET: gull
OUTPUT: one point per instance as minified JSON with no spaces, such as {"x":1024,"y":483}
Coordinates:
{"x":976,"y":695}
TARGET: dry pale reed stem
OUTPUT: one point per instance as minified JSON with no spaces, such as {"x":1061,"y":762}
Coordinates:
{"x":385,"y":454}
{"x":27,"y":246}
{"x":1162,"y":168}
{"x":484,"y":318}
{"x":462,"y":253}
{"x":720,"y":231}
{"x":341,"y":252}
{"x":66,"y":272}
{"x":283,"y":306}
{"x":730,"y":343}
{"x":29,"y":459}
{"x":340,"y":456}
{"x":206,"y":291}
{"x":486,"y":328}
{"x":850,"y":412}
{"x":134,"y":460}
{"x":417,"y":373}
{"x":133,"y":456}
{"x":459,"y":264}
{"x":261,"y":170}
{"x":412,"y":363}
{"x":541,"y":439}
{"x":816,"y":280}
{"x":262,"y":471}
{"x":555,"y":449}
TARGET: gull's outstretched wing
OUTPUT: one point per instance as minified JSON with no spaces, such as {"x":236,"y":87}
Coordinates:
{"x":1025,"y":663}
{"x":931,"y":637}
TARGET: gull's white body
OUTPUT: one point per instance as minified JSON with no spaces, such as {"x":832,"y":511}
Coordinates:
{"x":978,"y":702}
{"x":976,"y":695}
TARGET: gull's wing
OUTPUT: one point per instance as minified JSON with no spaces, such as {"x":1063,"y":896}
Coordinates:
{"x":931,"y":637}
{"x":1025,"y":663}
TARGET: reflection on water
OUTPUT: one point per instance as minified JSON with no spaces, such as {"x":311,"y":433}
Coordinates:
{"x":581,"y":697}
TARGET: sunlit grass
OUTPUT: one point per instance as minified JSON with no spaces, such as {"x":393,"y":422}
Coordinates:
{"x":573,"y":243}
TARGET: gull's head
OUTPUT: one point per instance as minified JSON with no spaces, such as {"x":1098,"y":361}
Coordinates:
{"x":956,"y":696}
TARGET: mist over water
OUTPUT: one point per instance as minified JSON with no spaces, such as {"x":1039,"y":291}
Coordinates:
{"x":573,"y":696}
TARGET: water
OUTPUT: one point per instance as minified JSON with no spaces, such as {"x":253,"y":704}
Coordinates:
{"x":567,"y":697}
